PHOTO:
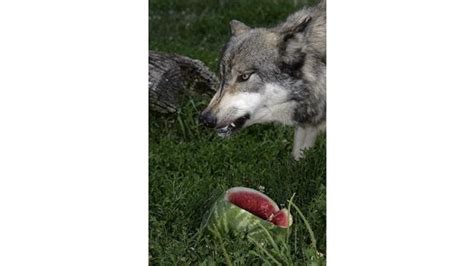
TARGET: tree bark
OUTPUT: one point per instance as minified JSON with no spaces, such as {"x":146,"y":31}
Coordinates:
{"x":169,"y":75}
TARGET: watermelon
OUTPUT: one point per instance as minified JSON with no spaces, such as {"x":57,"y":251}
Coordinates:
{"x":247,"y":212}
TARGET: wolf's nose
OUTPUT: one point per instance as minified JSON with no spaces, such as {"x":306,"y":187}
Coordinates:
{"x":207,"y":119}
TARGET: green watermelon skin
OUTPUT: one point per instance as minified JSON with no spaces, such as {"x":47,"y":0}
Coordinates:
{"x":225,"y":218}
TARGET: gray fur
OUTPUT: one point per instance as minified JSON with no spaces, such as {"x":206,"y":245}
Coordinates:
{"x":282,"y":71}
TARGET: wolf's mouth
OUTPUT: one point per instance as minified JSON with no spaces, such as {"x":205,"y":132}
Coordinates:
{"x":232,"y":127}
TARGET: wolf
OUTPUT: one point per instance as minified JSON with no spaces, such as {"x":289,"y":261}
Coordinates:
{"x":274,"y":74}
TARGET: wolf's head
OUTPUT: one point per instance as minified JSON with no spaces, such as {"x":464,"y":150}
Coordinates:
{"x":258,"y":68}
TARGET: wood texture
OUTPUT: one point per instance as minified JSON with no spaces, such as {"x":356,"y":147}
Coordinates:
{"x":172,"y":76}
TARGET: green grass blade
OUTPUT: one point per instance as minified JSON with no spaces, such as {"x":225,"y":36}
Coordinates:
{"x":252,"y":252}
{"x":264,"y":251}
{"x":221,"y":244}
{"x":308,"y":227}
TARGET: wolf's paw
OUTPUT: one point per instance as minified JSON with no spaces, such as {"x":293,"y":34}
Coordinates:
{"x":297,"y":155}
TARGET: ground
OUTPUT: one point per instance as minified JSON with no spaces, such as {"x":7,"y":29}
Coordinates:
{"x":189,"y":166}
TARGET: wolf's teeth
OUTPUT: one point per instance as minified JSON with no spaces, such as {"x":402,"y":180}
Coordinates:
{"x":232,"y":124}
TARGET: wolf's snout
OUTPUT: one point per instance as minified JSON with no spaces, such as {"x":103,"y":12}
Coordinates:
{"x":207,"y":119}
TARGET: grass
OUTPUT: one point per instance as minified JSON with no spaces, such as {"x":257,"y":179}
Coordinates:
{"x":189,"y":166}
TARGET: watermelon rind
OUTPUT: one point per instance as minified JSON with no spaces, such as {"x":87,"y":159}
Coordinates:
{"x":225,"y":218}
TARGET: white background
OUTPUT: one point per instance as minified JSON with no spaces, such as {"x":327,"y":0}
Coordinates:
{"x":73,"y":133}
{"x":73,"y":137}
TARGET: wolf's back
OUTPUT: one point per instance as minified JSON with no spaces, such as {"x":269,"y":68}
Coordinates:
{"x":317,"y":33}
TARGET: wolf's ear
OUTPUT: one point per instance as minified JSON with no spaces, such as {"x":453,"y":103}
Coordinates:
{"x":294,"y":26}
{"x":237,"y":27}
{"x":291,"y":45}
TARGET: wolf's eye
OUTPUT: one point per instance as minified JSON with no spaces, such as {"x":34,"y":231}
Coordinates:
{"x":244,"y":77}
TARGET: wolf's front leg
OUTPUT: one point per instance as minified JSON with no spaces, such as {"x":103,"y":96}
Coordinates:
{"x":298,"y":143}
{"x":305,"y":138}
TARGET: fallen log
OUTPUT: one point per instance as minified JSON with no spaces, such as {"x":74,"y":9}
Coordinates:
{"x":171,"y":75}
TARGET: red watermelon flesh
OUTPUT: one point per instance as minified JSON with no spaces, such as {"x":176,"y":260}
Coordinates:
{"x":281,"y":218}
{"x":258,"y":204}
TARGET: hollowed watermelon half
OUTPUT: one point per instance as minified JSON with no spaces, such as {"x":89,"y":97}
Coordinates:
{"x":247,"y":211}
